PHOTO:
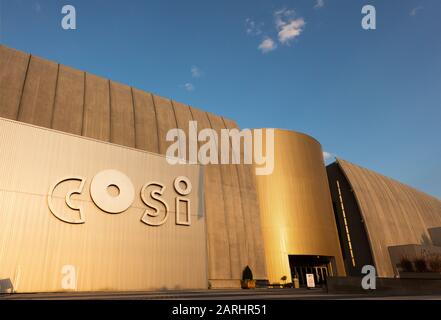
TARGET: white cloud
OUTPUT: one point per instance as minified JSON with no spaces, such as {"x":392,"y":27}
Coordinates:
{"x":267,"y":45}
{"x":291,"y":30}
{"x":319,"y":4}
{"x":253,"y":28}
{"x":327,"y":156}
{"x":189,"y":87}
{"x":414,"y":11}
{"x":37,"y":7}
{"x":288,"y":26}
{"x":196,"y":72}
{"x":282,"y":15}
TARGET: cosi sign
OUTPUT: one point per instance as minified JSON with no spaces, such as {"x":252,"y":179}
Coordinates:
{"x":113,"y":192}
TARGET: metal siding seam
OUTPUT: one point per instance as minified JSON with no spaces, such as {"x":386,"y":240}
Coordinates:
{"x":157,"y":122}
{"x":223,"y":197}
{"x":55,"y":96}
{"x":134,"y":114}
{"x":22,"y":88}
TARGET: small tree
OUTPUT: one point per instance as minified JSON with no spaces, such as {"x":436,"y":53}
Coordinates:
{"x":284,"y":279}
{"x":247,"y":274}
{"x":435,"y":263}
{"x":406,"y":265}
{"x":420,"y":265}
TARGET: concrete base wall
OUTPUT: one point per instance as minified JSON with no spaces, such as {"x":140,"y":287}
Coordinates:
{"x":385,"y":286}
{"x":224,"y":284}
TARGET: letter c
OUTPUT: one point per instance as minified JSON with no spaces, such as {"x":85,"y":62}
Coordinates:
{"x":82,"y":218}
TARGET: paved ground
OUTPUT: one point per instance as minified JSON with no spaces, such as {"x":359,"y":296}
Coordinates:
{"x":261,"y":294}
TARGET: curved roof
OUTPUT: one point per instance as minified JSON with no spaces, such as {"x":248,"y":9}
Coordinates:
{"x":394,"y":213}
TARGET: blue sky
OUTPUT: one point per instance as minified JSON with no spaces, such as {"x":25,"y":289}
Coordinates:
{"x":371,"y":97}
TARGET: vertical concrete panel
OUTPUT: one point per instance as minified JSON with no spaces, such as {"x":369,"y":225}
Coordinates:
{"x":122,"y":123}
{"x":69,"y":101}
{"x":96,"y":122}
{"x":145,"y":121}
{"x":251,"y":213}
{"x":183,"y":117}
{"x":166,"y":120}
{"x":233,"y":206}
{"x":13,"y":67}
{"x":219,"y":256}
{"x":39,"y":93}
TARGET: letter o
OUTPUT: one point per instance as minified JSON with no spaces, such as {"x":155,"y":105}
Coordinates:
{"x":103,"y":199}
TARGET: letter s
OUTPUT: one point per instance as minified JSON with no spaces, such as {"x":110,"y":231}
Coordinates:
{"x":154,"y":194}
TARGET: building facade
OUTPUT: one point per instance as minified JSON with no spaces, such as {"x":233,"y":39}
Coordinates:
{"x":49,"y":95}
{"x":89,"y":202}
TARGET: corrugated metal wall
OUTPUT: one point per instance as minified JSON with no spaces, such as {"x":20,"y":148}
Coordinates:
{"x":108,"y":251}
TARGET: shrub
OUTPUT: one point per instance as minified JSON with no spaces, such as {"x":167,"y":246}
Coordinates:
{"x":406,"y":265}
{"x":421,"y":265}
{"x":247,"y":274}
{"x":435,"y":263}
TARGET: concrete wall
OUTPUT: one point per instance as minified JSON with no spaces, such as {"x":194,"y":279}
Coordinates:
{"x":435,"y":236}
{"x":412,"y":252}
{"x":44,"y":93}
{"x":385,"y":286}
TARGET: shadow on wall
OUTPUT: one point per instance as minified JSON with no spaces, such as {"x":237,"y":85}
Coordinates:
{"x":435,"y":235}
{"x":201,"y":209}
{"x":425,"y":240}
{"x":6,"y":286}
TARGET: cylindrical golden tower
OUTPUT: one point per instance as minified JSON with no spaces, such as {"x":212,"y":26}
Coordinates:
{"x":299,"y":228}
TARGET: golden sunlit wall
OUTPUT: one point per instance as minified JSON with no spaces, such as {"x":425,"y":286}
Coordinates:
{"x":295,"y":205}
{"x":54,"y":237}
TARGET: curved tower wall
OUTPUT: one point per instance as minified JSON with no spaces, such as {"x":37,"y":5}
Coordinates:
{"x":296,"y":207}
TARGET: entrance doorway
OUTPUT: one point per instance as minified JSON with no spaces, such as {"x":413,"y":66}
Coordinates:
{"x":319,"y":266}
